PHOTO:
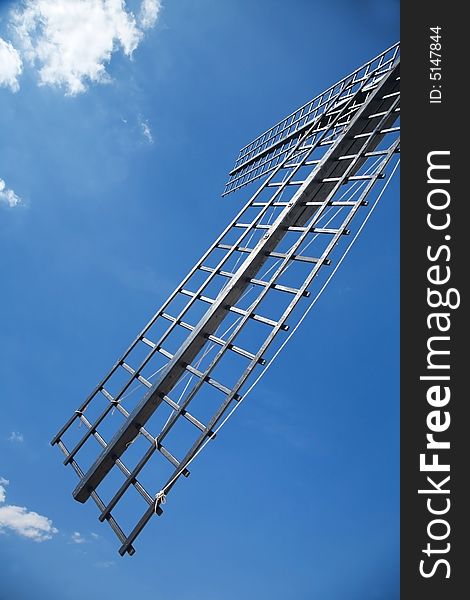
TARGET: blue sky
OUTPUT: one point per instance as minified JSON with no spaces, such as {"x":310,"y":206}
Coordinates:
{"x":111,"y":190}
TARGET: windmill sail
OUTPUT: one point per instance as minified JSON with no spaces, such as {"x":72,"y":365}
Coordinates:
{"x":134,"y":436}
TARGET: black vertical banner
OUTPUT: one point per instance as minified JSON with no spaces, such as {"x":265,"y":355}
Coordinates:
{"x":435,"y":261}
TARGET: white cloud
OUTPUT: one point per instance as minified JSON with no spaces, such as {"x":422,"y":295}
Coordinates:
{"x":146,"y":131}
{"x":11,"y":66}
{"x":95,"y":536}
{"x":70,"y":42}
{"x":77,"y":538}
{"x":3,"y":493}
{"x":8,"y":196}
{"x":148,"y":15}
{"x":105,"y":564}
{"x":16,"y":436}
{"x":23,"y":522}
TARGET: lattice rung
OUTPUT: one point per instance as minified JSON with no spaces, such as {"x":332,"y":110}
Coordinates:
{"x":260,"y":282}
{"x":235,"y":309}
{"x":139,"y":378}
{"x":213,"y":338}
{"x":294,"y":257}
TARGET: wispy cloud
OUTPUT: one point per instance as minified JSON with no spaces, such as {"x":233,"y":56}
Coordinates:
{"x":22,"y":521}
{"x":3,"y":492}
{"x":145,"y":129}
{"x":104,"y":564}
{"x":148,"y":14}
{"x":16,"y":437}
{"x":77,"y":538}
{"x":11,"y":66}
{"x":8,"y":196}
{"x":70,"y":42}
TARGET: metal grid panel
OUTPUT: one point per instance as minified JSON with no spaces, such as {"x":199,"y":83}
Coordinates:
{"x":267,"y":151}
{"x":167,"y":393}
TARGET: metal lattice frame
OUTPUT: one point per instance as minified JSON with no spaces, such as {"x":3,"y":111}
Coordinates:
{"x":170,"y":389}
{"x":267,"y":151}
